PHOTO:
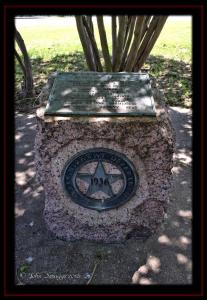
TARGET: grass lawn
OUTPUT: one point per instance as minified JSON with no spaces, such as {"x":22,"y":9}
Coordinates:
{"x":54,"y":45}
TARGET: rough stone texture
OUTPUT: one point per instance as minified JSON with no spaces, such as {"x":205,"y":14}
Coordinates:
{"x":148,"y":143}
{"x":117,"y":262}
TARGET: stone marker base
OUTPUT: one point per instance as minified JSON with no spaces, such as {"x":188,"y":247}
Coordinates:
{"x":147,"y":142}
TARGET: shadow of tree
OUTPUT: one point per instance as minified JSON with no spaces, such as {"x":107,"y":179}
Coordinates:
{"x":182,"y":122}
{"x":72,"y":62}
{"x":166,"y":256}
{"x":173,"y":77}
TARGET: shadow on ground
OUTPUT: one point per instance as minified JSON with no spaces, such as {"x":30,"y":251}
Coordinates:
{"x":168,"y":253}
{"x":173,"y":77}
{"x":164,"y":258}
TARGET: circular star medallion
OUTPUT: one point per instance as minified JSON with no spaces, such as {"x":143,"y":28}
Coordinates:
{"x":99,"y":179}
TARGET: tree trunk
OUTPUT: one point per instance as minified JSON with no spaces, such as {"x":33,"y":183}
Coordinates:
{"x":128,"y":42}
{"x":25,"y":66}
{"x":132,"y":42}
{"x":84,"y":41}
{"x":104,"y":43}
{"x":114,"y":39}
{"x":147,"y":37}
{"x":120,"y":43}
{"x":136,"y":43}
{"x":90,"y":32}
{"x":142,"y":57}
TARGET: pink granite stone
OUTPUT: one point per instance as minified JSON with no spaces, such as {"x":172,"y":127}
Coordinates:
{"x":147,"y":142}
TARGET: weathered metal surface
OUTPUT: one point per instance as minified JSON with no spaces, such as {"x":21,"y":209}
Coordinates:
{"x":111,"y":179}
{"x":101,"y":94}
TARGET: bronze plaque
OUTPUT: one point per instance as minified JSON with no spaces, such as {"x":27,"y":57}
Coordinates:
{"x":100,"y":179}
{"x":101,"y":94}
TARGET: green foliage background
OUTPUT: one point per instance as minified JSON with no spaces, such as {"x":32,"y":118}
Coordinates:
{"x":56,"y":47}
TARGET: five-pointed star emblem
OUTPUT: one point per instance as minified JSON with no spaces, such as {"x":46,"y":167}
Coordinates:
{"x":100,"y":180}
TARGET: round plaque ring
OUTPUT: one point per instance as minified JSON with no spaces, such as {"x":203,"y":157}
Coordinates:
{"x":99,"y":179}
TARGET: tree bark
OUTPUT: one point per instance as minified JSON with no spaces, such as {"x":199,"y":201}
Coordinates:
{"x":90,"y":23}
{"x":147,"y":37}
{"x":128,"y":22}
{"x":104,"y":44}
{"x":132,"y":41}
{"x":120,"y":42}
{"x":128,"y":42}
{"x":90,"y":33}
{"x":25,"y":65}
{"x":142,"y":58}
{"x":146,"y":26}
{"x":16,"y":54}
{"x":84,"y":42}
{"x":114,"y":38}
{"x":136,"y":43}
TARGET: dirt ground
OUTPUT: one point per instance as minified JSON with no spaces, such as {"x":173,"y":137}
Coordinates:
{"x":164,"y":258}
